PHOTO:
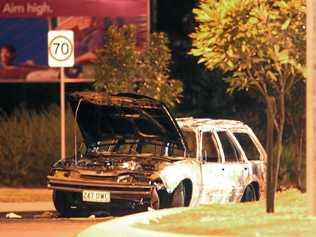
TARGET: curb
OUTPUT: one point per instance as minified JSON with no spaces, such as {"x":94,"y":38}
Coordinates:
{"x":16,"y":207}
{"x":124,"y":226}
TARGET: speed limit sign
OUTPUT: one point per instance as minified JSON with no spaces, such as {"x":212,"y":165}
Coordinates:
{"x":61,"y":48}
{"x":61,"y":54}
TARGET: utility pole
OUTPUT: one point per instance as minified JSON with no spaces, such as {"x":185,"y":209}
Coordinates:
{"x":311,"y":106}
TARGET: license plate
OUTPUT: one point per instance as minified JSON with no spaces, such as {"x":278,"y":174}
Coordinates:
{"x":95,"y":196}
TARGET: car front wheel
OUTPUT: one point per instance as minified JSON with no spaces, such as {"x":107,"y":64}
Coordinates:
{"x":63,"y":203}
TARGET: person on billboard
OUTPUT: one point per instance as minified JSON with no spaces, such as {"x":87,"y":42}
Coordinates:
{"x":91,"y":40}
{"x":89,"y":36}
{"x":11,"y":70}
{"x":7,"y":56}
{"x":8,"y":69}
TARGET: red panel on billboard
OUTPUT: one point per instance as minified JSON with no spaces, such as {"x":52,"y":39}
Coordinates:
{"x":40,"y":8}
{"x":24,"y":26}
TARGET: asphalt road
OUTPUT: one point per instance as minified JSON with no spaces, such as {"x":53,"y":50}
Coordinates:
{"x":49,"y":224}
{"x":44,"y":227}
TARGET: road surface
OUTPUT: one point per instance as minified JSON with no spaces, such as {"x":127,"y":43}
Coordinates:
{"x":45,"y":227}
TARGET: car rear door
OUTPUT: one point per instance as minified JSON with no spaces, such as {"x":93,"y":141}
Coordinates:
{"x":255,"y":155}
{"x":236,"y":169}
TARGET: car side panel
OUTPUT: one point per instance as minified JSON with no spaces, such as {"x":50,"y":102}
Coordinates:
{"x":188,"y":169}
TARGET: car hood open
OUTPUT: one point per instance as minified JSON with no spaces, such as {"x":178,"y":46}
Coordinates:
{"x":101,"y":116}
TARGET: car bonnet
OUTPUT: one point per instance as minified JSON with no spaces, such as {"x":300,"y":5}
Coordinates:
{"x":101,"y":116}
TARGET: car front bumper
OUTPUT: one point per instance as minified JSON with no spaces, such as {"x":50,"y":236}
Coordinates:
{"x":123,"y":191}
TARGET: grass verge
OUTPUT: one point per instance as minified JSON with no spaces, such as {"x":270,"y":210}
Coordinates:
{"x":243,"y":219}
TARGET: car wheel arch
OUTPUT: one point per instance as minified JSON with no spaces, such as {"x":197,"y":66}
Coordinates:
{"x":256,"y":187}
{"x":188,"y":189}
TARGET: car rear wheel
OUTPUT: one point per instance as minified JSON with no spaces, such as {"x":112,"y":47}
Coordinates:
{"x":178,"y":196}
{"x":249,"y":194}
{"x":63,"y":203}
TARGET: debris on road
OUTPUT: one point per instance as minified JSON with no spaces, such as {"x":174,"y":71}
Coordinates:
{"x":13,"y":216}
{"x":46,"y":214}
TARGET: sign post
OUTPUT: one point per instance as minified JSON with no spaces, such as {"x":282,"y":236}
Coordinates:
{"x":61,"y":54}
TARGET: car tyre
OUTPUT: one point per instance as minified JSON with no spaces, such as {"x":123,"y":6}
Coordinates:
{"x":178,"y":196}
{"x":249,"y":194}
{"x":63,"y":203}
{"x":154,"y":201}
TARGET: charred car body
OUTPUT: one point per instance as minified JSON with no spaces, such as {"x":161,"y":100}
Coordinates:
{"x":137,"y":155}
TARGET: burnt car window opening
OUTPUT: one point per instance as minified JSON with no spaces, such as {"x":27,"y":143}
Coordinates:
{"x":99,"y":122}
{"x":175,"y":150}
{"x":125,"y":147}
{"x":136,"y":146}
{"x":106,"y":146}
{"x":230,"y":151}
{"x":191,"y":141}
{"x":209,"y":149}
{"x":107,"y":120}
{"x":248,"y":146}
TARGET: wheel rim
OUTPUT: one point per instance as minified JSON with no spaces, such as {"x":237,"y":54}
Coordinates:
{"x":154,"y":203}
{"x":178,"y":197}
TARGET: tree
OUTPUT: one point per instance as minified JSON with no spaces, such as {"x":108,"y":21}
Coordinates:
{"x":296,"y":131}
{"x":124,"y":66}
{"x":262,"y":44}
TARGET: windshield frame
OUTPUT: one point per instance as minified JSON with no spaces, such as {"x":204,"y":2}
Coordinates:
{"x":134,"y":146}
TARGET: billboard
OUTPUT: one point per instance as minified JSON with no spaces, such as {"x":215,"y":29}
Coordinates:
{"x":24,"y":26}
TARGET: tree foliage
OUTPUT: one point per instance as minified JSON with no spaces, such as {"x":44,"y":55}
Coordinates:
{"x":123,"y":66}
{"x":245,"y":36}
{"x":262,"y":43}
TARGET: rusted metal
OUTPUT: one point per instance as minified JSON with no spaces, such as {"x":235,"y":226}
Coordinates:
{"x":223,"y":182}
{"x":106,"y":99}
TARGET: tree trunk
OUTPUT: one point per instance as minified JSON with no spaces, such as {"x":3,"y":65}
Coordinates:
{"x":298,"y":166}
{"x":279,"y":140}
{"x":270,"y":190}
{"x":299,"y":159}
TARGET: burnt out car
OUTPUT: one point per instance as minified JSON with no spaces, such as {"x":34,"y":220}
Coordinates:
{"x":232,"y":159}
{"x":137,"y":156}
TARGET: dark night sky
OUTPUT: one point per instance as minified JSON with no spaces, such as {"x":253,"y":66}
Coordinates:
{"x":172,"y":15}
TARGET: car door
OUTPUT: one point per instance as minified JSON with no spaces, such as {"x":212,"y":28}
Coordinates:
{"x":255,"y":155}
{"x":212,"y":168}
{"x":236,"y":168}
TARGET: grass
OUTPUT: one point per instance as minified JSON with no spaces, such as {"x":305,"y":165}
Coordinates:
{"x":25,"y":195}
{"x":30,"y":143}
{"x":243,"y":219}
